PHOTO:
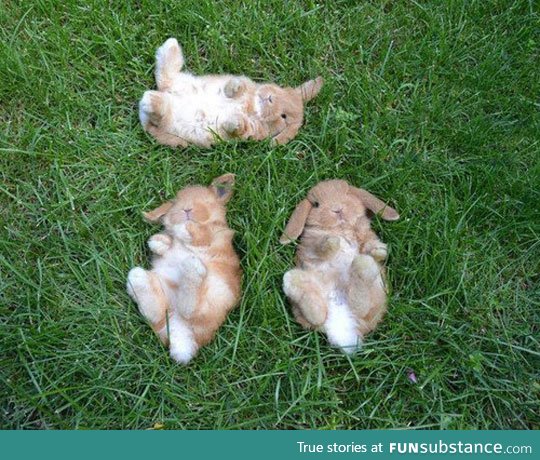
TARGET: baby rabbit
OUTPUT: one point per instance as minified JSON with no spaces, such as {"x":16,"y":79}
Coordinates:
{"x":338,"y":285}
{"x":195,"y":277}
{"x":188,"y":109}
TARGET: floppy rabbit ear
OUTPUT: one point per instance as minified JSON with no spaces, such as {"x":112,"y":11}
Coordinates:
{"x":310,"y":89}
{"x":222,"y":186}
{"x":296,"y":223}
{"x":156,"y":214}
{"x":374,"y":204}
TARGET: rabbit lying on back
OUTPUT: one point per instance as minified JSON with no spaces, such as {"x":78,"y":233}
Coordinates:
{"x":195,"y":277}
{"x":338,"y":285}
{"x":189,"y":109}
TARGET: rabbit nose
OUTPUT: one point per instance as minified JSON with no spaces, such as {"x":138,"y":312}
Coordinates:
{"x":187,"y":211}
{"x":339,"y":212}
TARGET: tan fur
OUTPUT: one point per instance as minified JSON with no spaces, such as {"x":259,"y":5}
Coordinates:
{"x":195,"y":278}
{"x":187,"y":109}
{"x":339,"y":258}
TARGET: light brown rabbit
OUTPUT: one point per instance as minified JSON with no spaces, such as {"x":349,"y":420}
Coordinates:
{"x":195,"y":277}
{"x":338,"y":285}
{"x":188,"y":109}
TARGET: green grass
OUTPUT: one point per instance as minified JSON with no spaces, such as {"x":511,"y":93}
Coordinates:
{"x":431,"y":105}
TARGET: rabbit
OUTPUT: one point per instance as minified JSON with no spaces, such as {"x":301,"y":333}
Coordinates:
{"x":195,"y":277}
{"x":188,"y":109}
{"x":338,"y":285}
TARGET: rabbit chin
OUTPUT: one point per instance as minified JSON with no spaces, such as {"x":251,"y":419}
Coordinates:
{"x":259,"y":107}
{"x":263,"y":110}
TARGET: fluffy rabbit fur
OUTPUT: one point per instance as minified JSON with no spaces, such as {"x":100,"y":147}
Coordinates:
{"x":195,"y":277}
{"x":338,"y":284}
{"x":188,"y":109}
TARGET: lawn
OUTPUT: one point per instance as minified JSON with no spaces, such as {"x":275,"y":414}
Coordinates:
{"x":432,"y":106}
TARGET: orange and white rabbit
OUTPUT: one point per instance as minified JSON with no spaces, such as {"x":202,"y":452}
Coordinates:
{"x":195,"y":277}
{"x":188,"y":109}
{"x":338,"y":285}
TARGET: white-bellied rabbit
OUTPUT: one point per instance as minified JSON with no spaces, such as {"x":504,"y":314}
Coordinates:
{"x":338,"y":285}
{"x":195,"y":277}
{"x":188,"y":109}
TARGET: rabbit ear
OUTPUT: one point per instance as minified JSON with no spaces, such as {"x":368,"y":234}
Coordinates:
{"x":296,"y":223}
{"x":310,"y":89}
{"x":156,"y":214}
{"x":374,"y":204}
{"x":222,"y":186}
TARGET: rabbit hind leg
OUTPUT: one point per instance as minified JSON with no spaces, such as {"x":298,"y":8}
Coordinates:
{"x":169,"y":62}
{"x":303,"y":289}
{"x":144,"y":287}
{"x":155,"y":109}
{"x":367,"y":292}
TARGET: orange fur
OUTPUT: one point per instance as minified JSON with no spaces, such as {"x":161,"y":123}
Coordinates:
{"x":195,"y":277}
{"x":339,"y":283}
{"x":188,"y":109}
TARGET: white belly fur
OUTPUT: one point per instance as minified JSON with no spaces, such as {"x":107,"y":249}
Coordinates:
{"x":340,"y":325}
{"x":200,"y":104}
{"x":167,"y":266}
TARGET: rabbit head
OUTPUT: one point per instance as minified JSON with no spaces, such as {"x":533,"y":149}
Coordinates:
{"x":198,"y":204}
{"x":331,"y":205}
{"x":281,"y":110}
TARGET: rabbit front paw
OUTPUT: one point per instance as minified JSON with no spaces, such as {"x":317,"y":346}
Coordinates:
{"x":236,"y":126}
{"x":377,"y":250}
{"x":329,"y":246}
{"x":365,"y":266}
{"x":193,"y":268}
{"x":159,"y":244}
{"x":234,"y":87}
